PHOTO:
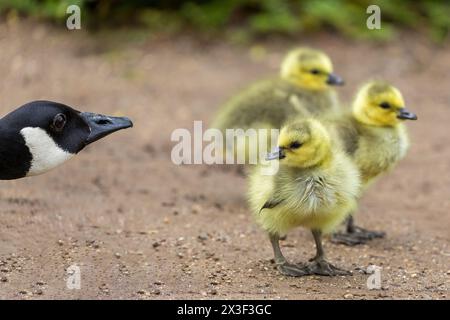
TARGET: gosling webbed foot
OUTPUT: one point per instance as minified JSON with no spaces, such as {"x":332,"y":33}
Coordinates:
{"x":322,"y":267}
{"x":356,"y":236}
{"x":292,"y":270}
{"x":348,"y":239}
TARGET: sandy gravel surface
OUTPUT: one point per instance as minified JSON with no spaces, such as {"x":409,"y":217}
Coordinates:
{"x":140,"y":227}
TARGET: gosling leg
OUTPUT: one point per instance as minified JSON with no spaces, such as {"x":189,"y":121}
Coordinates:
{"x":286,"y":268}
{"x":351,"y":228}
{"x":354,"y":235}
{"x":319,"y":265}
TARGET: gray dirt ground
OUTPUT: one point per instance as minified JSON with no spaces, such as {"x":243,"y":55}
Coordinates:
{"x":142,"y":228}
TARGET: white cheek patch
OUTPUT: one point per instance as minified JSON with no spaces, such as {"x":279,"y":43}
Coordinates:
{"x":45,"y":152}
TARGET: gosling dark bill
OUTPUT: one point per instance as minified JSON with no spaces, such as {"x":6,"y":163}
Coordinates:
{"x":405,"y":114}
{"x":277,"y":154}
{"x":335,"y":80}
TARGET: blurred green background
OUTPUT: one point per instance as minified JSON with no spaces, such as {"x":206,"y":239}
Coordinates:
{"x":243,"y":20}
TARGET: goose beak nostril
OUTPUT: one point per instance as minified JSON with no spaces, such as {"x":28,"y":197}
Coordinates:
{"x":101,"y":125}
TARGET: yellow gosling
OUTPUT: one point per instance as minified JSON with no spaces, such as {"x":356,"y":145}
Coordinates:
{"x":315,"y":187}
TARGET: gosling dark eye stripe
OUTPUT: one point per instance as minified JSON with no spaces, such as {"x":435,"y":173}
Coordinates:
{"x":295,"y":145}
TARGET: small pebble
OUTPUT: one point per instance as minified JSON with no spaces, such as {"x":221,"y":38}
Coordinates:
{"x":195,"y":209}
{"x":156,"y":244}
{"x":38,"y":292}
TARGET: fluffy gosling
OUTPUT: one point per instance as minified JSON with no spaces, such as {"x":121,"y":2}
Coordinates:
{"x":316,"y":186}
{"x":303,"y":88}
{"x":375,"y":137}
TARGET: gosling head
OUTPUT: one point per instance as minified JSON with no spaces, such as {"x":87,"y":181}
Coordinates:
{"x":310,"y":69}
{"x":302,"y":144}
{"x":380,"y":104}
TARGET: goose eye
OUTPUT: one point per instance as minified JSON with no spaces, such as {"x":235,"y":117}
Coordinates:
{"x":315,"y":71}
{"x":385,"y":105}
{"x":295,"y":145}
{"x":59,"y":121}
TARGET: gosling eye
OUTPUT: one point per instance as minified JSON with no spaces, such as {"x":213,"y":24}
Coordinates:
{"x":315,"y":71}
{"x":295,"y":145}
{"x":385,"y":105}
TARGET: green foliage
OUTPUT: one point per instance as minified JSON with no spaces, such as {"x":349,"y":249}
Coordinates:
{"x":211,"y":15}
{"x":275,"y":16}
{"x":48,"y":9}
{"x":439,"y":13}
{"x":250,"y":18}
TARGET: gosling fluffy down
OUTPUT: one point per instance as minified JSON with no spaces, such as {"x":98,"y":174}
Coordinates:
{"x":303,"y":88}
{"x":376,"y":139}
{"x":374,"y":134}
{"x":316,"y":186}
